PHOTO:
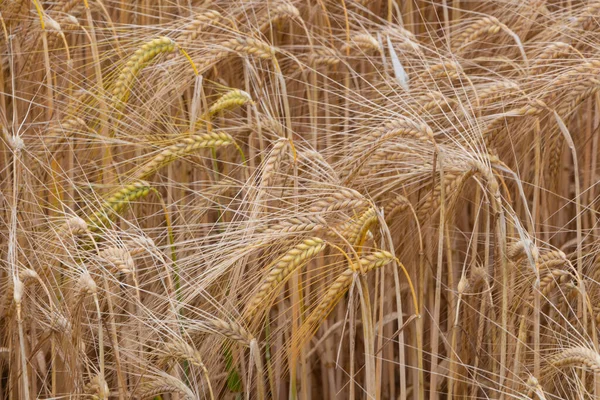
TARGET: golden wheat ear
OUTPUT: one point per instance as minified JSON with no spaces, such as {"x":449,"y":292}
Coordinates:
{"x":338,"y":289}
{"x":577,"y":357}
{"x":279,"y":273}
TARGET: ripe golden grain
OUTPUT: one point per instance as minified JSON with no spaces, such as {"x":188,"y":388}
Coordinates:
{"x":281,"y":270}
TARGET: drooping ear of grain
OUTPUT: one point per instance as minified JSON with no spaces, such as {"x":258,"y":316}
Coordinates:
{"x":282,"y":269}
{"x":341,"y":285}
{"x":484,"y":26}
{"x":142,"y":57}
{"x":116,"y":202}
{"x":578,"y":357}
{"x":184,"y":146}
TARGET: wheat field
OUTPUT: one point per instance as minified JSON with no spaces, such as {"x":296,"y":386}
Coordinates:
{"x":286,"y":199}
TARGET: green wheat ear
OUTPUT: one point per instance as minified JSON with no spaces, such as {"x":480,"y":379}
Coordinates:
{"x":229,"y":101}
{"x":142,"y":57}
{"x":185,"y":145}
{"x":116,"y":203}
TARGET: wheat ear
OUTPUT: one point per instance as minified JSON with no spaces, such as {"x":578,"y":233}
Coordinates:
{"x":252,"y":47}
{"x":230,"y":330}
{"x":194,"y":29}
{"x":117,"y":202}
{"x":405,"y":127}
{"x":229,"y":101}
{"x":582,"y":83}
{"x":166,"y":384}
{"x":577,"y":356}
{"x":139,"y":245}
{"x":589,"y":18}
{"x":479,"y":28}
{"x":520,"y":250}
{"x":453,"y":180}
{"x":550,"y":281}
{"x":142,"y":57}
{"x":398,"y":205}
{"x":363,"y":42}
{"x":184,"y":146}
{"x":182,"y":351}
{"x":97,"y":388}
{"x":297,"y":224}
{"x":356,"y":230}
{"x":63,"y":129}
{"x":341,"y":285}
{"x":554,"y":51}
{"x":375,"y":139}
{"x":15,"y":11}
{"x":277,"y":14}
{"x":553,"y":259}
{"x":340,"y":200}
{"x":273,"y":161}
{"x":119,"y":258}
{"x":445,"y":70}
{"x":324,"y":56}
{"x":282,"y":269}
{"x":491,"y":133}
{"x":434,"y":99}
{"x":85,"y":286}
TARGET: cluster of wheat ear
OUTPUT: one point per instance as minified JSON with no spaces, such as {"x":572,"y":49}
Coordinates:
{"x":247,"y":199}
